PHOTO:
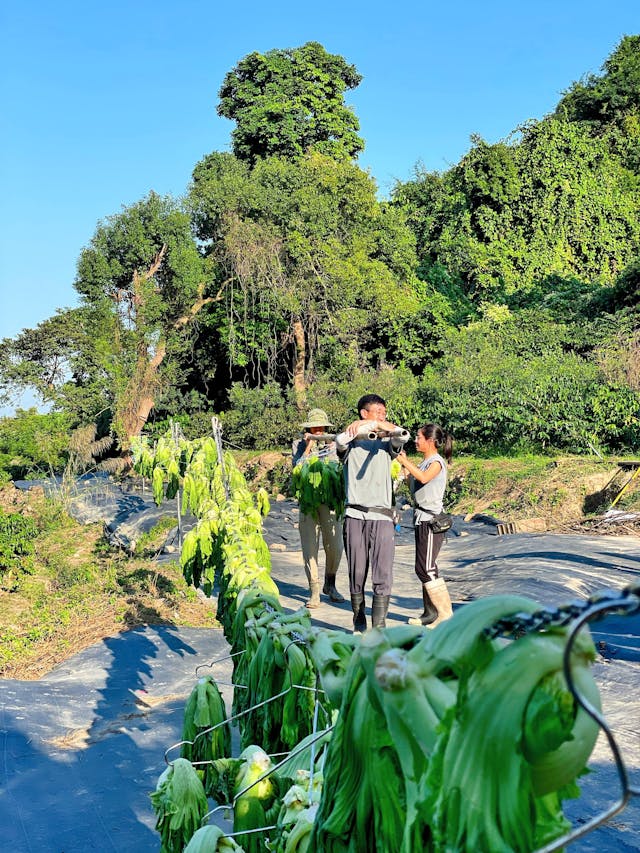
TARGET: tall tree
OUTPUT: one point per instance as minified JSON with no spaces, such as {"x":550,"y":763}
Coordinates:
{"x":142,"y":283}
{"x":144,"y":272}
{"x":311,"y":262}
{"x":287,"y":101}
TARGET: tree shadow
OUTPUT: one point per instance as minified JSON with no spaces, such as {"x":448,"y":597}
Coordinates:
{"x":599,"y":502}
{"x":85,"y":745}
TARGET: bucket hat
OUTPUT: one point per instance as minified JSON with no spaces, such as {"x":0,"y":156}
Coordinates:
{"x":316,"y":418}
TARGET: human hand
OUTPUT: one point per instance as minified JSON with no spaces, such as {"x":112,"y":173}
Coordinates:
{"x":353,"y":429}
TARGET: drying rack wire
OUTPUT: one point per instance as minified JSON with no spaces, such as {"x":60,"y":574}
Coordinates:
{"x":576,"y":615}
{"x":292,"y":686}
{"x":316,"y":735}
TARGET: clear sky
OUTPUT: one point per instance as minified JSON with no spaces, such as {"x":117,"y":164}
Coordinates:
{"x":103,"y":102}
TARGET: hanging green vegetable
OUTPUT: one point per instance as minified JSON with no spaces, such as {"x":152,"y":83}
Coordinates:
{"x":318,"y":481}
{"x":180,"y":804}
{"x":211,"y":839}
{"x":206,"y":733}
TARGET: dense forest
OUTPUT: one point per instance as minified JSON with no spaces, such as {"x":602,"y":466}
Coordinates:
{"x":498,"y":297}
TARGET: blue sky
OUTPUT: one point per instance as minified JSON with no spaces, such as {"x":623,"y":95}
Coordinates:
{"x":103,"y":102}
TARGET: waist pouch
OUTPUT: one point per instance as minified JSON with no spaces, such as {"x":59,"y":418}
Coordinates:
{"x":440,"y":522}
{"x":383,"y":510}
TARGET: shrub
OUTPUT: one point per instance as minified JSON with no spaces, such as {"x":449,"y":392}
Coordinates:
{"x":17,"y":534}
{"x":259,"y":418}
{"x":498,"y":387}
{"x":33,"y":444}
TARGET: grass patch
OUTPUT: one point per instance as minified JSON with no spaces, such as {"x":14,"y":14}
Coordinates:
{"x":80,"y":590}
{"x":561,"y":489}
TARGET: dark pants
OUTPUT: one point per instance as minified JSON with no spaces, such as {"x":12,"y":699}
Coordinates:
{"x":369,"y":545}
{"x":428,"y":546}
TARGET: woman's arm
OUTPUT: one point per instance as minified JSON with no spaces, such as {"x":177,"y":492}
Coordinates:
{"x":417,"y":473}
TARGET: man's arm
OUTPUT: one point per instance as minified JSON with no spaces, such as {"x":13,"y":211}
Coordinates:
{"x":298,"y":450}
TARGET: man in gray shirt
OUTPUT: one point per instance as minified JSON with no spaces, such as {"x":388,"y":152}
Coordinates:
{"x":369,"y":524}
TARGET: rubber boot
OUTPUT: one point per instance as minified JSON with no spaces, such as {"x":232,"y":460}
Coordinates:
{"x":439,"y":595}
{"x":314,"y":597}
{"x":329,"y":589}
{"x":429,"y":614}
{"x":359,"y":616}
{"x":379,"y":609}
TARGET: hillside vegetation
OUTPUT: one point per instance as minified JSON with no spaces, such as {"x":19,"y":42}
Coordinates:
{"x":66,"y":588}
{"x":498,"y":297}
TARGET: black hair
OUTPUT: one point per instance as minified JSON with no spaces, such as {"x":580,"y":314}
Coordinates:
{"x":370,"y":400}
{"x":442,"y":440}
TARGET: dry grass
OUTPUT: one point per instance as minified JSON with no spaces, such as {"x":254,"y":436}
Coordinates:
{"x":564,"y":490}
{"x":82,"y":591}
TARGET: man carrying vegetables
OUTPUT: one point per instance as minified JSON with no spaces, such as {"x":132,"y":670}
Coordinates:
{"x":317,"y":484}
{"x":366,"y":449}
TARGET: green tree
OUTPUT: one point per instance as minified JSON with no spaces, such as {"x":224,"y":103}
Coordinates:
{"x":145,"y":279}
{"x":309,"y":261}
{"x":603,"y":99}
{"x":57,"y":360}
{"x":142,"y":283}
{"x":287,"y":101}
{"x":33,"y":444}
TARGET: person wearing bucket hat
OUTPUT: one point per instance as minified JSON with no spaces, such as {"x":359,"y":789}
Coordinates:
{"x":324,"y":522}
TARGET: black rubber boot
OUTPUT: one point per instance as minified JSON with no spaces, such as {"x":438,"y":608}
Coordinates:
{"x":359,"y":616}
{"x":379,"y":609}
{"x":430,"y":612}
{"x":329,"y":589}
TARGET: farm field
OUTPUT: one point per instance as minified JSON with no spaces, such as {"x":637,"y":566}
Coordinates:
{"x":101,"y":720}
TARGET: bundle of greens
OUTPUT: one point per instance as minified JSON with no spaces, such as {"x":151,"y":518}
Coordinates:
{"x":529,"y":755}
{"x":227,"y":542}
{"x":250,"y":786}
{"x":317,"y":481}
{"x":206,"y":734}
{"x":167,"y":462}
{"x":331,"y":652}
{"x":363,"y":803}
{"x":254,"y":610}
{"x":281,"y":681}
{"x":211,"y":839}
{"x":477,"y":740}
{"x":297,"y":815}
{"x":180,"y":804}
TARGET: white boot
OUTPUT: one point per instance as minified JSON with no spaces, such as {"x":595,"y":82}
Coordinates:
{"x":439,"y":595}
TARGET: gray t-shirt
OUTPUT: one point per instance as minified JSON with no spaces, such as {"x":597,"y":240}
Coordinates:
{"x":367,"y":474}
{"x":429,"y":495}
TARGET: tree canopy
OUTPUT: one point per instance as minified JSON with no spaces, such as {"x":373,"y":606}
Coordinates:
{"x":498,"y":296}
{"x":311,"y":262}
{"x":287,"y":101}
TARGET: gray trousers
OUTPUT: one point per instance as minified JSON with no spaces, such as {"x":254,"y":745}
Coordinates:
{"x":369,"y":545}
{"x":310,"y":530}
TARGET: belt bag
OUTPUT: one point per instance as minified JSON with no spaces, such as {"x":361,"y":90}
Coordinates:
{"x":383,"y":510}
{"x":439,"y":523}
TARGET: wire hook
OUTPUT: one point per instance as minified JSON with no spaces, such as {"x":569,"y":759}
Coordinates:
{"x":624,"y":603}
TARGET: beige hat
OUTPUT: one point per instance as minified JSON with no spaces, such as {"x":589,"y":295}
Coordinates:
{"x":316,"y":418}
